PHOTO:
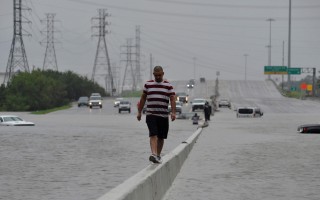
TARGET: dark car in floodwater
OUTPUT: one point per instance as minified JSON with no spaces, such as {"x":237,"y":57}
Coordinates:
{"x":309,"y":128}
{"x":83,"y":101}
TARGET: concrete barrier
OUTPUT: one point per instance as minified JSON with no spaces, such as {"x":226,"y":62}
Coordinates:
{"x":154,"y":181}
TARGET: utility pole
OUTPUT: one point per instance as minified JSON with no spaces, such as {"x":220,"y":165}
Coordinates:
{"x":50,"y":59}
{"x":194,"y":68}
{"x":282,"y":63}
{"x":313,"y":81}
{"x":102,"y":60}
{"x":269,"y":46}
{"x":289,"y":45}
{"x":17,"y":60}
{"x":151,"y":66}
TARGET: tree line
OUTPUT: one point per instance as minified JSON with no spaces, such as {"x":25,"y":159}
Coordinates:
{"x":45,"y":89}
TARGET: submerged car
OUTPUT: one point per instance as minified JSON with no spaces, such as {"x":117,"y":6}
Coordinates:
{"x":96,"y":94}
{"x":249,"y":112}
{"x":178,"y":107}
{"x":224,"y":103}
{"x":309,"y":128}
{"x":117,"y":101}
{"x":95,"y":101}
{"x":124,"y":106}
{"x":12,"y":120}
{"x":198,"y":104}
{"x":191,"y":84}
{"x":83,"y":101}
{"x":182,"y":97}
{"x":187,"y":115}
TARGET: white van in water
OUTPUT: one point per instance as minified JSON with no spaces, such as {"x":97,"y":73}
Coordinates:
{"x":249,"y":112}
{"x":245,"y":112}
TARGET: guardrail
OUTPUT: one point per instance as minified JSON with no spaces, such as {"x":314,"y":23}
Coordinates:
{"x":154,"y":181}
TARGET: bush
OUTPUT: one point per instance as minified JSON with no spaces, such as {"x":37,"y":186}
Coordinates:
{"x":41,"y":90}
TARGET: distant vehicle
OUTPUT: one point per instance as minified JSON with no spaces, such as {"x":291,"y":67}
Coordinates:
{"x":95,"y":101}
{"x":83,"y":101}
{"x":96,"y":94}
{"x":249,"y":112}
{"x":124,"y":106}
{"x":117,"y":101}
{"x":198,"y":104}
{"x":12,"y":120}
{"x":191,"y":83}
{"x":182,"y":97}
{"x":178,"y":107}
{"x":202,"y":80}
{"x":187,"y":115}
{"x":309,"y":128}
{"x":224,"y":103}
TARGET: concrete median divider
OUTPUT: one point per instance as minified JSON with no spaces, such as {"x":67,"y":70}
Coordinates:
{"x":153,"y":181}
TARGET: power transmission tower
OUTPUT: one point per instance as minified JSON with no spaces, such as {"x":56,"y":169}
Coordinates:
{"x":131,"y":79}
{"x":102,"y":60}
{"x":17,"y":58}
{"x":116,"y":78}
{"x":50,"y":59}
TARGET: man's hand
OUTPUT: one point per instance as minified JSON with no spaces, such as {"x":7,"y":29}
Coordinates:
{"x":173,"y":116}
{"x":139,"y":116}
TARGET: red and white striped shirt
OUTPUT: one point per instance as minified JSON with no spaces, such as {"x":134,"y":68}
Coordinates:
{"x":158,"y":97}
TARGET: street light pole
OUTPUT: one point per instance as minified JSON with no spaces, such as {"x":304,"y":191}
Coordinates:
{"x":245,"y":66}
{"x":194,"y":68}
{"x":289,"y":45}
{"x":269,"y":46}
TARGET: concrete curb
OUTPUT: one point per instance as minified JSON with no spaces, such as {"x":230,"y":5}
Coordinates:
{"x":153,"y":181}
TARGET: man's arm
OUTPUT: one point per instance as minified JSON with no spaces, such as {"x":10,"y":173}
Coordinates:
{"x":143,"y":99}
{"x":173,"y":107}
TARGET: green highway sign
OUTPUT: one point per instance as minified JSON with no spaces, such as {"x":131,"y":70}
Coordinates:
{"x":294,"y":71}
{"x":275,"y":70}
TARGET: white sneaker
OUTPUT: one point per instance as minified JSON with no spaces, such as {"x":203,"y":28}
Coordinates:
{"x":154,"y":159}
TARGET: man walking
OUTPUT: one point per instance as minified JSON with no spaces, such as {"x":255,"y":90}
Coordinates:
{"x":157,"y":93}
{"x":207,"y":111}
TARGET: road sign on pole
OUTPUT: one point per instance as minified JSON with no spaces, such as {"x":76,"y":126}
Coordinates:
{"x":275,"y":70}
{"x":294,"y":71}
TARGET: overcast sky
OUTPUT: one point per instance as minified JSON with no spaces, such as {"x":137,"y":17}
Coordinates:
{"x":217,"y":33}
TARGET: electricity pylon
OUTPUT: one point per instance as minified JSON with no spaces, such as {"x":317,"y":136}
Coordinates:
{"x":102,"y":60}
{"x":129,"y":76}
{"x":17,"y":58}
{"x":50,"y":59}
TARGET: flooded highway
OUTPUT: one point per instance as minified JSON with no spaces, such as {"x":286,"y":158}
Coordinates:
{"x":77,"y":154}
{"x":80,"y":154}
{"x":254,"y":158}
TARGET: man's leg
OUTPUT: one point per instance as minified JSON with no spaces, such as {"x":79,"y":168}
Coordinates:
{"x":159,"y":146}
{"x":154,"y":144}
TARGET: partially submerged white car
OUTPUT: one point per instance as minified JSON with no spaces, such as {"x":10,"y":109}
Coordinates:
{"x":12,"y":120}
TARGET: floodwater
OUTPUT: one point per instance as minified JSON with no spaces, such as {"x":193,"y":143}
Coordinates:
{"x":267,"y":160}
{"x":254,"y":158}
{"x":76,"y":154}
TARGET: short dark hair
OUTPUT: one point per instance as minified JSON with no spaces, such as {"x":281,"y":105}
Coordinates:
{"x":158,"y":69}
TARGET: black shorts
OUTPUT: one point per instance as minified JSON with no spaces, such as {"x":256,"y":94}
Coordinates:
{"x":158,"y":126}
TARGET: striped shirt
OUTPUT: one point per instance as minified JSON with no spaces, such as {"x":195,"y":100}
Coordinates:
{"x":158,"y":97}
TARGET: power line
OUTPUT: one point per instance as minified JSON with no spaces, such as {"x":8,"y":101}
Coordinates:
{"x":232,"y":5}
{"x":155,"y":12}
